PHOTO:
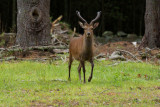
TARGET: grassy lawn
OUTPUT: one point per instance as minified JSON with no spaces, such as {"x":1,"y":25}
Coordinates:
{"x":43,"y":84}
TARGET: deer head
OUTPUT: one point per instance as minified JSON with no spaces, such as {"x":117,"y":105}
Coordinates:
{"x":88,"y":28}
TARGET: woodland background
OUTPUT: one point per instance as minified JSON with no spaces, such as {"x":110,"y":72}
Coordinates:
{"x":127,"y":15}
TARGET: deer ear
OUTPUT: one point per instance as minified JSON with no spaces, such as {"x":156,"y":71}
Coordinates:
{"x":95,"y":25}
{"x":81,"y":24}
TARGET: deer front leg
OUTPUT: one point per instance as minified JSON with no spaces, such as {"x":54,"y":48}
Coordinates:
{"x":90,"y":77}
{"x":69,"y":66}
{"x":84,"y":71}
{"x":79,"y":71}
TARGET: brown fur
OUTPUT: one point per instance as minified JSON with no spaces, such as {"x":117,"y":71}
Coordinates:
{"x":82,"y":48}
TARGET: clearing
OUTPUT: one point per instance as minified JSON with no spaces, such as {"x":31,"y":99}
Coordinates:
{"x":30,"y":83}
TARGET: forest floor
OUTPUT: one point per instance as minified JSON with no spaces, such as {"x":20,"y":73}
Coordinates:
{"x":61,"y":36}
{"x":149,"y":56}
{"x":38,"y":84}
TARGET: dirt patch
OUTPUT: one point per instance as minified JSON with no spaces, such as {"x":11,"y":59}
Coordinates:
{"x":111,"y":47}
{"x":37,"y":54}
{"x":74,"y":103}
{"x":38,"y":104}
{"x":145,"y":55}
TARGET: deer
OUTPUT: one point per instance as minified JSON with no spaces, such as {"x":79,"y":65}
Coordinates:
{"x":82,"y":48}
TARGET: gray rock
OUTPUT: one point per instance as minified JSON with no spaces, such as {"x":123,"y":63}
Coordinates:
{"x":109,"y":38}
{"x":121,"y":34}
{"x":101,"y":40}
{"x":132,"y":36}
{"x":107,"y":33}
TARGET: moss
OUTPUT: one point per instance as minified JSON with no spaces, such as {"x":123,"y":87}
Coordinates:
{"x":64,"y":25}
{"x":2,"y":42}
{"x":2,"y":35}
{"x":158,"y":55}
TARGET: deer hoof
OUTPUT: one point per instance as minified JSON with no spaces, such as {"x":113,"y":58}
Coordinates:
{"x":89,"y":80}
{"x":69,"y":79}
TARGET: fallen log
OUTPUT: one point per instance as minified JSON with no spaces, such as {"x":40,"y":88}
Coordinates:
{"x":4,"y":51}
{"x":42,"y":48}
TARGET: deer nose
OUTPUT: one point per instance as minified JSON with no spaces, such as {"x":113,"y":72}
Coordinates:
{"x":88,"y":33}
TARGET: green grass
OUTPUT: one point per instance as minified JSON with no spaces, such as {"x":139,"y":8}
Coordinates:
{"x":39,"y":84}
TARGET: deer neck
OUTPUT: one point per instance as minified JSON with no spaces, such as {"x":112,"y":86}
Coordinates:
{"x":87,"y":44}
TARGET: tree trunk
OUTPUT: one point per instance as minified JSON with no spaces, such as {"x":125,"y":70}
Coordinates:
{"x":151,"y":38}
{"x":102,"y":19}
{"x":33,"y":23}
{"x":14,"y":13}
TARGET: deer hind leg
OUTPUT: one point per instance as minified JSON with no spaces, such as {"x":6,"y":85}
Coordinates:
{"x":90,"y":77}
{"x":70,"y":63}
{"x":84,"y":70}
{"x":79,"y":71}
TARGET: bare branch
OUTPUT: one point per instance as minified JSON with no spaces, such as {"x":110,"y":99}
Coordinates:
{"x":133,"y":56}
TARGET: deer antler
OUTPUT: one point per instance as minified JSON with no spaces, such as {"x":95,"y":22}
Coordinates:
{"x":79,"y":15}
{"x":97,"y":17}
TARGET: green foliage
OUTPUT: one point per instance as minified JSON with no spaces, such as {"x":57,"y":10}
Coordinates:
{"x":64,"y":25}
{"x":2,"y":35}
{"x":34,"y":84}
{"x":13,"y":29}
{"x":51,"y":18}
{"x":2,"y":42}
{"x":158,"y":55}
